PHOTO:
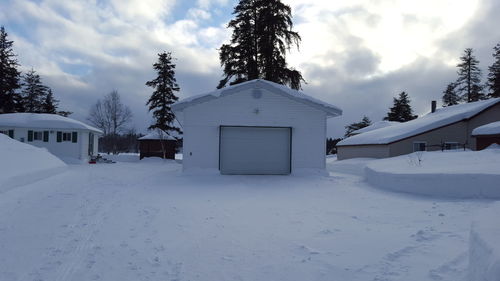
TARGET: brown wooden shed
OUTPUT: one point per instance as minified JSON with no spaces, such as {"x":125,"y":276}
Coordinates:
{"x":157,"y":145}
{"x":487,"y":135}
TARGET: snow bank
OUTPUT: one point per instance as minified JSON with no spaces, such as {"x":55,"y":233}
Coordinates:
{"x":122,"y":157}
{"x":484,"y":247}
{"x":23,"y":163}
{"x":450,"y":174}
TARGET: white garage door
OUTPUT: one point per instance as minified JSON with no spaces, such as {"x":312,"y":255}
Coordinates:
{"x":255,"y":150}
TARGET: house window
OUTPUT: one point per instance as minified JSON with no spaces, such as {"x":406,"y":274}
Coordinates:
{"x":419,"y":146}
{"x":37,"y":135}
{"x":9,"y":133}
{"x":450,"y":145}
{"x":66,"y":136}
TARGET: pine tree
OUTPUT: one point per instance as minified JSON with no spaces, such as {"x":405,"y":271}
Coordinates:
{"x":33,"y":93}
{"x":401,"y":111}
{"x":262,"y":34}
{"x":450,"y":96}
{"x":494,"y":74}
{"x":165,"y":86}
{"x":49,"y":104}
{"x":9,"y":75}
{"x":469,"y":77}
{"x":365,"y":122}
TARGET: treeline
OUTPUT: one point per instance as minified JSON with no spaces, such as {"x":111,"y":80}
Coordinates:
{"x":120,"y":143}
{"x":22,"y":92}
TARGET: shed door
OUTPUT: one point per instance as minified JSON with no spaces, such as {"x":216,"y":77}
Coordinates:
{"x":255,"y":150}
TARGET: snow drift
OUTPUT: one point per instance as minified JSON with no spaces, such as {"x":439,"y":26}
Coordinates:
{"x":449,"y":174}
{"x":484,"y":247}
{"x":23,"y":163}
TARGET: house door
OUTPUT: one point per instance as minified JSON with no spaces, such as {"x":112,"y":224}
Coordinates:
{"x":255,"y":150}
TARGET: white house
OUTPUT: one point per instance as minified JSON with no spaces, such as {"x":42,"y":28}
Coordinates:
{"x":442,"y":129}
{"x":68,"y":139}
{"x":256,"y":127}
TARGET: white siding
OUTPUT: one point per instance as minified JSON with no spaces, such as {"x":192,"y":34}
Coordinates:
{"x":201,"y":127}
{"x":65,"y":149}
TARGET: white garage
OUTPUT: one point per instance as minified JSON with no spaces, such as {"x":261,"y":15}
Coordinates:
{"x":254,"y":128}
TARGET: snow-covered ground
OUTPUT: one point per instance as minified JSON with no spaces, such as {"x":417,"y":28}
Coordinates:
{"x":144,"y":220}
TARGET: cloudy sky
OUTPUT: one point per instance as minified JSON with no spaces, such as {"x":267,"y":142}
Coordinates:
{"x":356,"y":54}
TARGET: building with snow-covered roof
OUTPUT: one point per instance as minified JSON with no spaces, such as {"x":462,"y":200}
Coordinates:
{"x":487,"y":135}
{"x":256,"y":127}
{"x":445,"y":128}
{"x":159,"y":144}
{"x":68,"y":139}
{"x":374,"y":126}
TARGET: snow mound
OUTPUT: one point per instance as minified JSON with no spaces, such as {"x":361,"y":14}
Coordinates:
{"x":449,"y":174}
{"x":488,"y":129}
{"x":484,"y":246}
{"x":122,"y":157}
{"x":23,"y":163}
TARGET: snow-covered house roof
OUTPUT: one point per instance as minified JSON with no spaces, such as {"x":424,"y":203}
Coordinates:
{"x":441,"y":117}
{"x":374,"y":126}
{"x":298,"y":96}
{"x":488,"y":129}
{"x":43,"y":121}
{"x":161,"y":135}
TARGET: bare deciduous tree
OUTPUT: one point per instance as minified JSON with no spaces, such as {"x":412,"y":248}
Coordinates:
{"x":110,"y":115}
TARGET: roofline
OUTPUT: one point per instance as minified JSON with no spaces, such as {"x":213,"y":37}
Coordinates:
{"x":331,"y":112}
{"x":486,"y":135}
{"x":430,"y":130}
{"x":53,"y":128}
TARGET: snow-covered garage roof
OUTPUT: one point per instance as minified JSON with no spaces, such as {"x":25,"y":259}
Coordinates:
{"x":488,"y":129}
{"x":298,"y":96}
{"x":160,"y":135}
{"x":374,"y":126}
{"x":43,"y":121}
{"x":441,"y":117}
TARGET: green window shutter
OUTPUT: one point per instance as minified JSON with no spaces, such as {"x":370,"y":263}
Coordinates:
{"x":45,"y":136}
{"x":59,"y":136}
{"x":74,"y":137}
{"x":30,"y":135}
{"x":11,"y":133}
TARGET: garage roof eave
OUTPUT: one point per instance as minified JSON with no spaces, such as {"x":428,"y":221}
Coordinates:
{"x":330,"y":110}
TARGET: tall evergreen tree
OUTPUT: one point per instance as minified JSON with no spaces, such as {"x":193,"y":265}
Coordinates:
{"x":469,"y":77}
{"x":450,"y":96}
{"x":33,"y":92}
{"x":164,"y":85}
{"x":365,"y":122}
{"x":9,"y":75}
{"x":49,"y":104}
{"x":401,"y":111}
{"x":262,"y":34}
{"x":494,"y":74}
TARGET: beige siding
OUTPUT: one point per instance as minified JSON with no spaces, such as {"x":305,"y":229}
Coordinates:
{"x":362,"y":151}
{"x":452,"y":133}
